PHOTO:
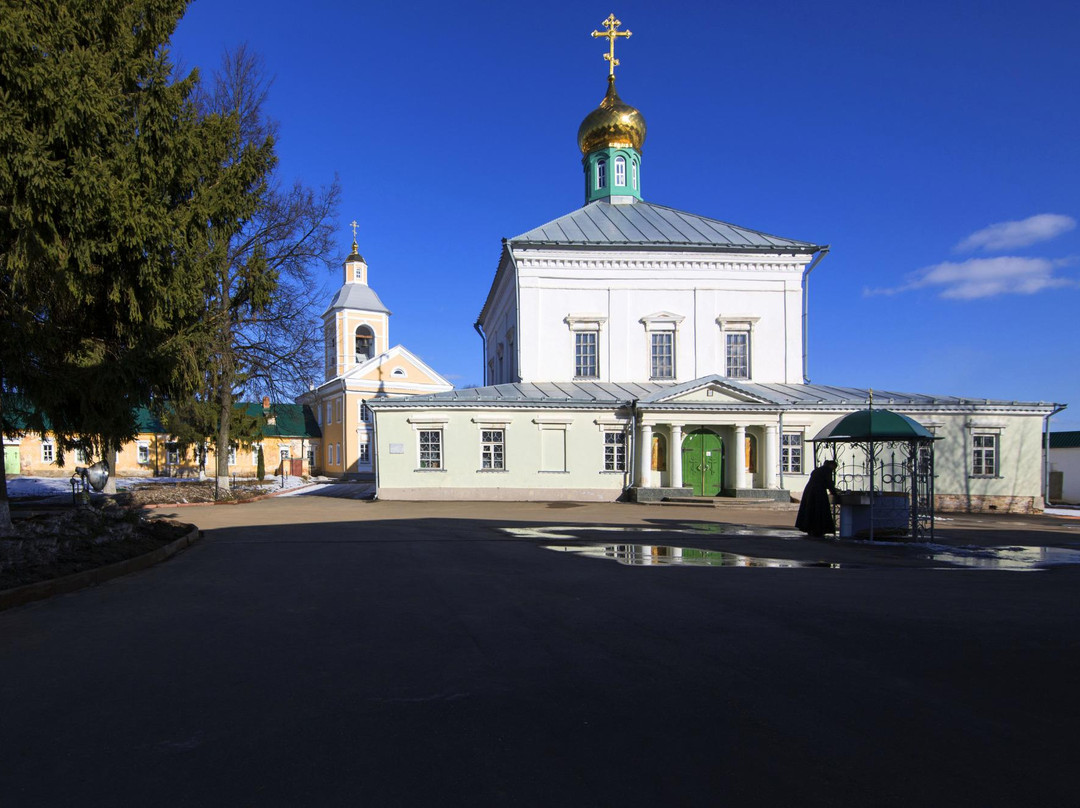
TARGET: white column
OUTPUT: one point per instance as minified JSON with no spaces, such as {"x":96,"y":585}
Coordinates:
{"x":675,"y":456}
{"x":645,"y":457}
{"x":738,"y":477}
{"x":772,"y":456}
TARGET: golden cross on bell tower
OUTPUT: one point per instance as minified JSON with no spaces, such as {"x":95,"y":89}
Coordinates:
{"x":353,"y":225}
{"x":611,"y":24}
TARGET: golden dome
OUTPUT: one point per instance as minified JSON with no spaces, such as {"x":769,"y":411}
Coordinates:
{"x":611,"y":125}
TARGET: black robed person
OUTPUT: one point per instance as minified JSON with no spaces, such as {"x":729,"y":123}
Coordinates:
{"x":815,"y":511}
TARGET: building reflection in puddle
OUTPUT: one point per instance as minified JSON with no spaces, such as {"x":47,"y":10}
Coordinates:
{"x":1018,"y":559}
{"x":645,"y":555}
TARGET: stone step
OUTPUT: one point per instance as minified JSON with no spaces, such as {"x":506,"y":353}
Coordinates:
{"x":726,"y":502}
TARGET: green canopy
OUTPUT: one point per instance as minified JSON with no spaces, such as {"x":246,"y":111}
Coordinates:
{"x":877,"y":425}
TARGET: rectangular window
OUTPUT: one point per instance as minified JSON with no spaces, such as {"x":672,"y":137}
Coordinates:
{"x":791,"y":450}
{"x":492,"y":449}
{"x":337,"y":454}
{"x":142,"y":452}
{"x":737,"y":354}
{"x":232,"y":455}
{"x":311,"y":456}
{"x":431,"y":449}
{"x":337,"y":410}
{"x":984,"y":455}
{"x":586,"y":365}
{"x":172,"y":454}
{"x":662,"y":355}
{"x":365,"y":412}
{"x":283,"y":452}
{"x":329,"y":454}
{"x":82,"y":458}
{"x":365,"y":453}
{"x":614,"y":451}
{"x":48,"y":452}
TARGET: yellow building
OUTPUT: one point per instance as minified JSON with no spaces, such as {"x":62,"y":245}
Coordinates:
{"x":290,"y":441}
{"x":360,"y":365}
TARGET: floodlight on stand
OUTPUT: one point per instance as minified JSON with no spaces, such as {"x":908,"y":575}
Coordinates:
{"x":95,"y":476}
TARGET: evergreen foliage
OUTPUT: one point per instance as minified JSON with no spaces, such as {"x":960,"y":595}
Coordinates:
{"x":114,"y":190}
{"x":260,"y":469}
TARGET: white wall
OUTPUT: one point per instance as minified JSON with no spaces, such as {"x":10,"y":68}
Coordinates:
{"x":622,"y":288}
{"x":528,"y":474}
{"x":1067,"y":461}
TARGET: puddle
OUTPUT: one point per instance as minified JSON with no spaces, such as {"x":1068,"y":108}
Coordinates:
{"x":647,"y":555}
{"x":1011,"y":559}
{"x":1017,"y":559}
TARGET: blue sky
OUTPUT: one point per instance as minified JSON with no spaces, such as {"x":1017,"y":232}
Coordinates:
{"x":934,"y":145}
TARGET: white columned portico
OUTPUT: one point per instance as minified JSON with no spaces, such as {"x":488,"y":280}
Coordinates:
{"x":645,"y":457}
{"x":738,"y":479}
{"x":772,"y":458}
{"x":675,"y":456}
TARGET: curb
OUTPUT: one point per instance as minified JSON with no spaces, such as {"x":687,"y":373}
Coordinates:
{"x":80,"y":580}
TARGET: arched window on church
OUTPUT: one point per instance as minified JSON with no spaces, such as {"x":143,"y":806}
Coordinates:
{"x":601,"y":174}
{"x":633,"y":172}
{"x":365,"y":344}
{"x":620,"y":172}
{"x":659,"y":453}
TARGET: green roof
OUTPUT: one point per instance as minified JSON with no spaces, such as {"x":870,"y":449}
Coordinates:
{"x":1065,"y":440}
{"x":866,"y":425}
{"x":291,"y":420}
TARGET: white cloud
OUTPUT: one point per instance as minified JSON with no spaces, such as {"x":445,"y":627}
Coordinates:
{"x":986,"y":277}
{"x":1008,"y":235}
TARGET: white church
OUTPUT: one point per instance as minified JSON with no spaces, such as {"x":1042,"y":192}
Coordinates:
{"x":635,"y":351}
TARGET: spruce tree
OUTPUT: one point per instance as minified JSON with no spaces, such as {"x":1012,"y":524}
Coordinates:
{"x":112,"y":190}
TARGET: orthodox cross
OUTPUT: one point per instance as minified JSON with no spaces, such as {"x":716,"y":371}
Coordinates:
{"x":611,"y":24}
{"x":353,"y":225}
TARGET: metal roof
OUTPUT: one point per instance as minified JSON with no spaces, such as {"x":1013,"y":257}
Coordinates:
{"x":664,"y":396}
{"x":290,"y":420}
{"x":1065,"y":440}
{"x":870,"y":425}
{"x":356,"y":296}
{"x":542,"y":394}
{"x":645,"y":224}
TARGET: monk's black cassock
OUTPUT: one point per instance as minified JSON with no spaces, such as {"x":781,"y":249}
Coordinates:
{"x":815,"y":512}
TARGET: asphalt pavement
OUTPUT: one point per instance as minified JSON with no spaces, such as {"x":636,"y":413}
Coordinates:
{"x":315,"y":651}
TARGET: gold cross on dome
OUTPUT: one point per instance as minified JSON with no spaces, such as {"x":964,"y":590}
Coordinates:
{"x":611,"y":24}
{"x":353,"y":225}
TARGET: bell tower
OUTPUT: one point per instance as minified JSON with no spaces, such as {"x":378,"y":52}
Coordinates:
{"x":356,"y":325}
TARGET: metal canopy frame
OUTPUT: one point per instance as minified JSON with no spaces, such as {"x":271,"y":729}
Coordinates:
{"x":893,"y":469}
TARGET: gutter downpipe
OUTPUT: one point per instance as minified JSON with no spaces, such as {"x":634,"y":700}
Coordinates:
{"x":517,"y":311}
{"x":483,"y":349}
{"x":1046,"y":452}
{"x":375,"y":448}
{"x":780,"y":450}
{"x":805,"y":296}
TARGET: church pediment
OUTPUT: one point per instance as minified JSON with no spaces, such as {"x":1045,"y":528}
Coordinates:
{"x":711,"y":390}
{"x":398,"y":366}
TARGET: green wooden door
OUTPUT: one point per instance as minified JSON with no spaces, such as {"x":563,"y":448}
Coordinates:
{"x":11,"y":459}
{"x":703,"y":462}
